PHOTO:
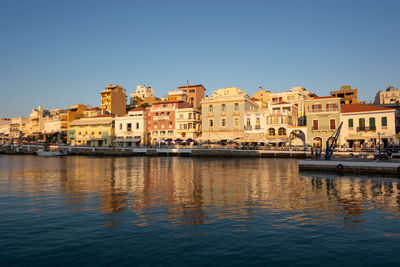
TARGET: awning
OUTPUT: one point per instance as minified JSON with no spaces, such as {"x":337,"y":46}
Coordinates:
{"x":127,"y":140}
{"x":273,"y":140}
{"x":97,"y":139}
{"x":297,"y":141}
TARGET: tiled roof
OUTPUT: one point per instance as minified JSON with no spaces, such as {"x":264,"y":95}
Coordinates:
{"x":351,"y":108}
{"x":254,"y":99}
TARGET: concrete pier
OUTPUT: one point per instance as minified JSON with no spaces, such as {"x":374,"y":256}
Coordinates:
{"x":351,"y":166}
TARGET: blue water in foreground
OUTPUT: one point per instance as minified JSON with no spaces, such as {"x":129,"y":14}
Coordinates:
{"x":189,"y":212}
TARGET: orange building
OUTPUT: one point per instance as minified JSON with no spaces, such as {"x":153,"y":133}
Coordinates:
{"x":113,"y":100}
{"x":195,"y":93}
{"x":346,"y":95}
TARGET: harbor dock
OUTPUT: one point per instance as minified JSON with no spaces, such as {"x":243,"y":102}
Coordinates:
{"x":354,"y":166}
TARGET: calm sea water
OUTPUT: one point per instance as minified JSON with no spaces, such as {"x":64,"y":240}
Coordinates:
{"x":192,"y":211}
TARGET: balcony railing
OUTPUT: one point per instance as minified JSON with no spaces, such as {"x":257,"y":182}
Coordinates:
{"x":323,"y":110}
{"x":366,"y":129}
{"x":248,"y":127}
{"x":323,"y":128}
{"x":159,"y":118}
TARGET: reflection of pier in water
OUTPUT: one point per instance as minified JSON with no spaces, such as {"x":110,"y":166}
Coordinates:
{"x":191,"y":191}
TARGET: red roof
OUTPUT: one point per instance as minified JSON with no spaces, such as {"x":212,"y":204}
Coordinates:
{"x":191,"y":85}
{"x":138,"y":109}
{"x":95,"y":108}
{"x":101,"y":116}
{"x":254,"y":99}
{"x":324,"y":97}
{"x":168,"y":102}
{"x":351,"y":108}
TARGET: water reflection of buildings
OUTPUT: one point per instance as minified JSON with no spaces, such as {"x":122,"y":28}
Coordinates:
{"x":190,"y":191}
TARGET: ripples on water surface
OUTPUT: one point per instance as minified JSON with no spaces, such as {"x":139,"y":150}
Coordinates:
{"x":181,"y":211}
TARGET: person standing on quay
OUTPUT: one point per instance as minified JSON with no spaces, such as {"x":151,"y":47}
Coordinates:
{"x":312,"y":152}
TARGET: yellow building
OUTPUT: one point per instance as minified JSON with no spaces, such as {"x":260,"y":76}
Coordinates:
{"x":94,"y":131}
{"x":296,"y":95}
{"x":113,"y":100}
{"x":223,"y":112}
{"x":177,"y":96}
{"x":75,"y":112}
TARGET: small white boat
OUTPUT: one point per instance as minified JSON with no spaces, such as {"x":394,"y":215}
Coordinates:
{"x":51,"y":153}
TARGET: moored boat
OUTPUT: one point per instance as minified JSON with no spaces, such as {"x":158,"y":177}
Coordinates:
{"x":51,"y":153}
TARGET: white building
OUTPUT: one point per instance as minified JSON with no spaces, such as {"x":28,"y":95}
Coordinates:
{"x":130,"y":130}
{"x":5,"y":131}
{"x":188,"y":123}
{"x":367,"y":125}
{"x":277,"y":124}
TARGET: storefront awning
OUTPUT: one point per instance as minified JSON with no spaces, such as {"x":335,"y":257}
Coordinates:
{"x":127,"y":140}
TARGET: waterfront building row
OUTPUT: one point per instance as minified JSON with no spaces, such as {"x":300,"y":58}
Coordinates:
{"x":297,"y":117}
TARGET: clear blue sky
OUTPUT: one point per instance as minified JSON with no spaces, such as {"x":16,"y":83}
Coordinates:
{"x":59,"y":53}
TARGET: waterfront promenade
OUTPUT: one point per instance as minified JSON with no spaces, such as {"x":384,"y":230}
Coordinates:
{"x":194,"y":151}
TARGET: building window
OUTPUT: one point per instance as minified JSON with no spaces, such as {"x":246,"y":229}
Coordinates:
{"x":129,"y":127}
{"x":120,"y":126}
{"x":170,"y":124}
{"x":350,"y":121}
{"x":372,"y":123}
{"x":281,"y":131}
{"x":137,"y":125}
{"x":223,"y":122}
{"x":331,"y":106}
{"x":315,"y":125}
{"x":210,"y":108}
{"x":248,"y":122}
{"x":236,"y":122}
{"x":190,"y":116}
{"x":211,"y":123}
{"x":223,"y":107}
{"x":271,"y":120}
{"x":271,"y":131}
{"x":332,"y":124}
{"x":384,"y":121}
{"x":191,"y":91}
{"x":236,"y":106}
{"x":361,"y":123}
{"x":316,"y":107}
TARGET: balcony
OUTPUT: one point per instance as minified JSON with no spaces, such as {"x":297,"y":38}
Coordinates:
{"x":161,"y":118}
{"x":322,"y":128}
{"x":248,"y":127}
{"x":366,"y":129}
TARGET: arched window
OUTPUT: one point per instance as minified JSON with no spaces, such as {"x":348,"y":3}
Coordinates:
{"x":271,"y":131}
{"x":281,"y":131}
